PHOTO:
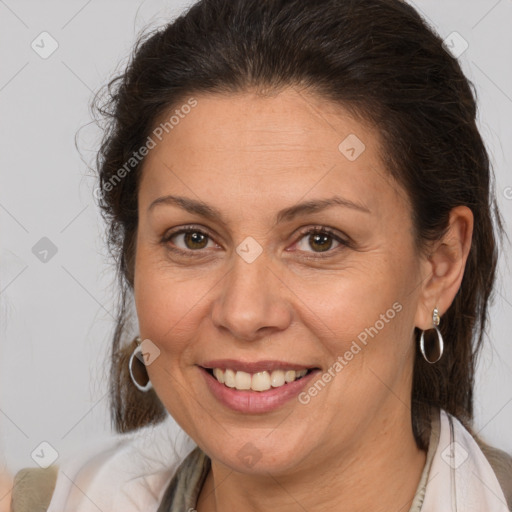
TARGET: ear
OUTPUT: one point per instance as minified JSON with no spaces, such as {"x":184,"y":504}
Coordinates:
{"x":443,"y":268}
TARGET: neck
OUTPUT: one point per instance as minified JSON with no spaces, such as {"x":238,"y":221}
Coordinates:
{"x":378,"y":473}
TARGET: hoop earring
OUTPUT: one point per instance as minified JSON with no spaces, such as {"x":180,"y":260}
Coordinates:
{"x":138,"y":350}
{"x":435,"y":322}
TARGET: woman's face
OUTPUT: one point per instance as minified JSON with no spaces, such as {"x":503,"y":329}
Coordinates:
{"x":253,"y":294}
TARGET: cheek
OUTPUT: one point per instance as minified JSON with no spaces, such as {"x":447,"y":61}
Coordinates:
{"x":368,"y":317}
{"x":169,"y":301}
{"x":347,"y":302}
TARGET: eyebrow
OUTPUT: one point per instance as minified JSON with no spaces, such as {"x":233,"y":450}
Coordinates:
{"x":287,"y":214}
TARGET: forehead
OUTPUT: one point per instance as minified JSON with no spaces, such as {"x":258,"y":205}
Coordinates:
{"x":289,"y":121}
{"x":247,"y":147}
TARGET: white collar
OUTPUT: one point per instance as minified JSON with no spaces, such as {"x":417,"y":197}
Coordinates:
{"x":460,"y":478}
{"x":132,"y":474}
{"x":129,"y":474}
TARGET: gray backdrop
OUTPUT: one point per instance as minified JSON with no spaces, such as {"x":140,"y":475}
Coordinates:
{"x":56,"y":281}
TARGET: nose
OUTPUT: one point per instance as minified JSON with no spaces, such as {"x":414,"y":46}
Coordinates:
{"x":253,"y":302}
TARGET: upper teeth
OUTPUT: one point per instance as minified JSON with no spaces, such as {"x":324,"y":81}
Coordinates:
{"x":260,"y":381}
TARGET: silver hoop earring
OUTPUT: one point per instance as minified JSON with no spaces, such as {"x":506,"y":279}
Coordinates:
{"x":435,"y":322}
{"x":135,"y":353}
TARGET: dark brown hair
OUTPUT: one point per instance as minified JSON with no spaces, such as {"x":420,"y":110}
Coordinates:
{"x":377,"y":58}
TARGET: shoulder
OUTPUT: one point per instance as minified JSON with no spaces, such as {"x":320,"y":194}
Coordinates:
{"x":498,"y":461}
{"x":501,"y":463}
{"x":32,"y":488}
{"x":129,"y":472}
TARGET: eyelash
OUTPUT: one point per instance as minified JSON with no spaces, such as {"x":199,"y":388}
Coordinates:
{"x":307,"y":231}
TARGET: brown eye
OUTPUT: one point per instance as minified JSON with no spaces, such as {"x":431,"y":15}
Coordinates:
{"x":187,"y":240}
{"x":195,"y":240}
{"x":320,"y":240}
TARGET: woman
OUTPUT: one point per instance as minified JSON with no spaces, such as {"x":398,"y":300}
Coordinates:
{"x":299,"y":202}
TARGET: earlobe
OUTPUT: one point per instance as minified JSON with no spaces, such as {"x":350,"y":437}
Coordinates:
{"x":445,"y":267}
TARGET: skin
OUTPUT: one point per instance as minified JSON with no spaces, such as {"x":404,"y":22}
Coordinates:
{"x":249,"y":156}
{"x":6,"y":482}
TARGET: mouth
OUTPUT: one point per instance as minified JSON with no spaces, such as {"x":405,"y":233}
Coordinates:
{"x":257,"y":387}
{"x":257,"y":381}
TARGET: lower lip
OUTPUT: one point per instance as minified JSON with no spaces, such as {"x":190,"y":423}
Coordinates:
{"x":256,"y":402}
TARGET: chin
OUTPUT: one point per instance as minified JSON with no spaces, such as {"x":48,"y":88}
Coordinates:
{"x":258,"y":455}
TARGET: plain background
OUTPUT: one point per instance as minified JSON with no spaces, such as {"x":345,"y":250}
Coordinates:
{"x":57,"y":316}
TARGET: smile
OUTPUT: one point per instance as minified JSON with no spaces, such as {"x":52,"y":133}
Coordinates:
{"x":256,"y":387}
{"x":259,"y":381}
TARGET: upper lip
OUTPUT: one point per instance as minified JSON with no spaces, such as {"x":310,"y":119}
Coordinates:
{"x":254,"y":366}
